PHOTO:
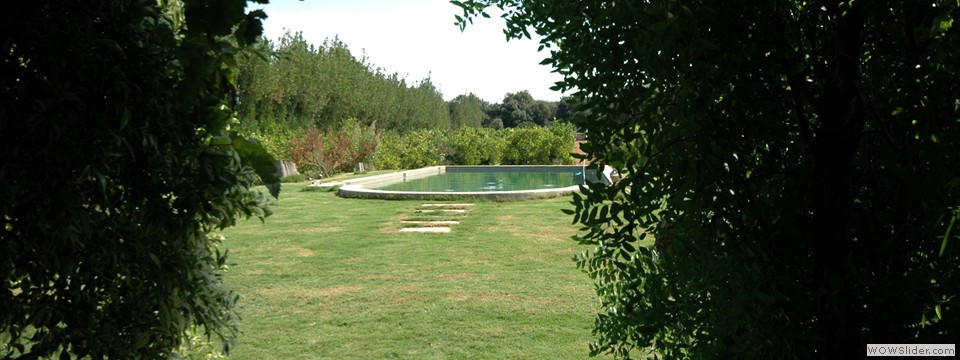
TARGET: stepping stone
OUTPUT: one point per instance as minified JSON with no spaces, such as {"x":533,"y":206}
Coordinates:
{"x":435,"y":230}
{"x":442,"y":216}
{"x":428,"y":223}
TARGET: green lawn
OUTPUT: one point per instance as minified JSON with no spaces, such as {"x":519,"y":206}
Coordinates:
{"x":327,"y":277}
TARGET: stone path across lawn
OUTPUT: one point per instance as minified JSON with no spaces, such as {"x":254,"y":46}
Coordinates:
{"x":435,"y":218}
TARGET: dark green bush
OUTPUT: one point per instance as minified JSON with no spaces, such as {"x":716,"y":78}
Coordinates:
{"x":119,"y":170}
{"x":794,"y":164}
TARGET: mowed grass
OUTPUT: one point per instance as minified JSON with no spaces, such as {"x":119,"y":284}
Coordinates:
{"x":326,"y":277}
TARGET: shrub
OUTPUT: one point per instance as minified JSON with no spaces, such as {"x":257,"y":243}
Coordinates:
{"x":539,"y":145}
{"x":293,"y":178}
{"x":492,"y":144}
{"x":564,"y":139}
{"x":326,"y":152}
{"x":472,"y":146}
{"x":389,"y":151}
{"x":526,"y":145}
{"x":412,"y":150}
{"x":276,"y":140}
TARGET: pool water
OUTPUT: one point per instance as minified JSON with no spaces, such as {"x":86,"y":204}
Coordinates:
{"x":474,"y":181}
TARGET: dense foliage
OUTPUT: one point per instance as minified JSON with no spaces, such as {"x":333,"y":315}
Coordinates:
{"x":411,"y":150}
{"x":539,"y":145}
{"x":293,"y":94}
{"x":476,"y":146}
{"x":320,"y":153}
{"x":521,"y":109}
{"x":117,"y":168}
{"x":795,"y":161}
{"x":294,"y":85}
{"x":466,"y":110}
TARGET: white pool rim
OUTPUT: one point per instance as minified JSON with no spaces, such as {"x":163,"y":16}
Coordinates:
{"x":363,"y":188}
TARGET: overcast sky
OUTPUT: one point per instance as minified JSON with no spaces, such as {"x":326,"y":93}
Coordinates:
{"x":418,"y":38}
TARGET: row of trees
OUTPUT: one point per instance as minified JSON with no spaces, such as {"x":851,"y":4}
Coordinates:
{"x":292,"y":86}
{"x":517,"y":109}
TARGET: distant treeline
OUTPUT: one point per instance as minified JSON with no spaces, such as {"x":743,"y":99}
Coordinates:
{"x":292,"y":86}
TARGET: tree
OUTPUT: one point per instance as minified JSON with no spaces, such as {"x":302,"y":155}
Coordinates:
{"x":517,"y":108}
{"x":491,"y":116}
{"x":521,"y":108}
{"x":495,"y":123}
{"x":427,"y":108}
{"x":466,"y":111}
{"x":544,"y":112}
{"x":118,"y":170}
{"x":795,"y":163}
{"x":294,"y":85}
{"x":567,"y":109}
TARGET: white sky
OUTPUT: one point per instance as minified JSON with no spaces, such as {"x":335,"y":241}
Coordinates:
{"x":418,"y":38}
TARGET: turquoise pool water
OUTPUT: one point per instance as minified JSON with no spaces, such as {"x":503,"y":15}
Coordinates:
{"x":471,"y":180}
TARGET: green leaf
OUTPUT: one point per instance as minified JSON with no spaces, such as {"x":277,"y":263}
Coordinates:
{"x":946,"y":236}
{"x":620,"y":265}
{"x":156,"y":260}
{"x":125,"y":118}
{"x":256,"y":156}
{"x":253,"y":26}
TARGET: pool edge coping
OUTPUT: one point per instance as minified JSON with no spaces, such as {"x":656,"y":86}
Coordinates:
{"x":355,"y":189}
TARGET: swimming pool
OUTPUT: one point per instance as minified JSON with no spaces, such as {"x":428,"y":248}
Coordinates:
{"x":479,"y":182}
